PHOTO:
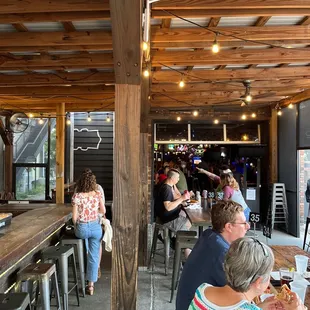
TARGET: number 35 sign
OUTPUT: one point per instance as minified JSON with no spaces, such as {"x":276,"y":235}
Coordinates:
{"x":254,"y":217}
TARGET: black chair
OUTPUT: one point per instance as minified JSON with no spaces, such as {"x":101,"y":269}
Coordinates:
{"x":306,"y":231}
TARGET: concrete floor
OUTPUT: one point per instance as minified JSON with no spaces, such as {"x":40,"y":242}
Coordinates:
{"x":154,"y":286}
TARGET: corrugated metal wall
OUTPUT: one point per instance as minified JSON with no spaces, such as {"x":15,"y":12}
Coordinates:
{"x":89,"y":153}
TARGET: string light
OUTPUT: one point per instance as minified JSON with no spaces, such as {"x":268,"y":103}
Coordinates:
{"x":253,"y":115}
{"x":215,"y":45}
{"x":68,"y":119}
{"x":243,"y":116}
{"x":88,"y":117}
{"x":41,"y":121}
{"x":290,"y":106}
{"x":178,"y":118}
{"x":279,"y":112}
{"x":216,"y":121}
{"x":30,"y":115}
{"x":146,"y":73}
{"x":245,"y":137}
{"x":145,"y":46}
{"x":248,"y":97}
{"x":181,"y":83}
{"x":108,"y":119}
{"x":195,"y":113}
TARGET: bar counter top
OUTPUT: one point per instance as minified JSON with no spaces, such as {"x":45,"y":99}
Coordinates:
{"x":28,"y":230}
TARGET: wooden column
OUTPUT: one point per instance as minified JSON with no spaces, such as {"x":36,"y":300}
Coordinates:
{"x":60,"y":152}
{"x":126,"y":34}
{"x":145,"y":173}
{"x":273,"y":147}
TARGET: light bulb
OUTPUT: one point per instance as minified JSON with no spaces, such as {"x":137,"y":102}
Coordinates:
{"x":243,"y":116}
{"x":215,"y":46}
{"x":253,"y":115}
{"x":178,"y":118}
{"x":244,"y":137}
{"x":108,"y":119}
{"x":248,"y":98}
{"x":145,"y":46}
{"x":290,"y":106}
{"x":146,"y":73}
{"x":30,"y":115}
{"x":216,"y":121}
{"x":41,"y":121}
{"x":279,"y":112}
{"x":181,"y":84}
{"x":88,"y":117}
{"x":195,"y":113}
{"x":68,"y":121}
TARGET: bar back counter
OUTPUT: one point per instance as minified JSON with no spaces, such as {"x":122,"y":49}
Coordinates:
{"x":22,"y":242}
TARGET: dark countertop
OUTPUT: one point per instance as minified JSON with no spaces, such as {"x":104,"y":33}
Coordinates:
{"x":29,"y":230}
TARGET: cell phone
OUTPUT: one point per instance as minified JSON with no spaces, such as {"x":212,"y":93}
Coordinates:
{"x":275,"y":282}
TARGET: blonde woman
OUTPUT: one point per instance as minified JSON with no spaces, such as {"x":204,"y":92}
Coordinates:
{"x":230,"y":188}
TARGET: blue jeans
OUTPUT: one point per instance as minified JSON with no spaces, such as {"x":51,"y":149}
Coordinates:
{"x":92,"y":233}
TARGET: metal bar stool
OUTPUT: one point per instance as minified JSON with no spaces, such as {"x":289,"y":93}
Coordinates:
{"x":15,"y":301}
{"x":61,"y":255}
{"x":78,"y":245}
{"x":306,"y":231}
{"x":184,"y":240}
{"x":42,"y":273}
{"x":158,"y":227}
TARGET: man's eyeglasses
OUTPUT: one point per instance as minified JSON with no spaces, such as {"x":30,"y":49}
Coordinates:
{"x":266,"y":254}
{"x":245,"y":223}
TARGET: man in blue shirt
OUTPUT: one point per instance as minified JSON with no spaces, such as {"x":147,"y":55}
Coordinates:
{"x":205,"y":263}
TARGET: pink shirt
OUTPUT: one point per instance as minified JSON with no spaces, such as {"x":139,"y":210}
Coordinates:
{"x":87,"y":206}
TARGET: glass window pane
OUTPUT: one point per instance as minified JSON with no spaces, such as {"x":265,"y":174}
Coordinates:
{"x":30,"y":183}
{"x":29,"y":145}
{"x":171,"y":132}
{"x":242,"y":132}
{"x":207,"y":132}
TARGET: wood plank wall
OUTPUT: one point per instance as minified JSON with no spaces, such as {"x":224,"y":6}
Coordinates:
{"x":100,"y":160}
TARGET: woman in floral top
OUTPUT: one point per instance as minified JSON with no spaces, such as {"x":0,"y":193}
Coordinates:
{"x":87,"y":202}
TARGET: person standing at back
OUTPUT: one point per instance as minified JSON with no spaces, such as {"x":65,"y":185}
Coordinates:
{"x":87,"y":202}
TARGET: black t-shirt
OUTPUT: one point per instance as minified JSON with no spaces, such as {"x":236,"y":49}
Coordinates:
{"x":165,"y":194}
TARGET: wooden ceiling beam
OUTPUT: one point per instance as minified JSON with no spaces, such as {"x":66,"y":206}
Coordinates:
{"x":56,"y":62}
{"x":59,"y":90}
{"x":272,"y":56}
{"x":233,"y":12}
{"x":255,"y":85}
{"x":25,"y":39}
{"x":274,"y":33}
{"x":59,"y":79}
{"x":39,"y":6}
{"x":228,"y":4}
{"x":261,"y":74}
{"x":305,"y":95}
{"x":20,"y":27}
{"x":231,"y":44}
{"x":53,"y":17}
{"x":205,"y":95}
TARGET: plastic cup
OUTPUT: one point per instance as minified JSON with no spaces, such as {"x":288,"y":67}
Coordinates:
{"x":301,"y":263}
{"x":299,"y":288}
{"x":286,"y":276}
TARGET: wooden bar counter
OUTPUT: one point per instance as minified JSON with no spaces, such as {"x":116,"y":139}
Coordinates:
{"x":22,"y":242}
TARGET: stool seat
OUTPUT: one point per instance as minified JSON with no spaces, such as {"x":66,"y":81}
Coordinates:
{"x":61,"y":255}
{"x":78,"y":245}
{"x":42,"y":273}
{"x":184,"y":240}
{"x":15,"y":301}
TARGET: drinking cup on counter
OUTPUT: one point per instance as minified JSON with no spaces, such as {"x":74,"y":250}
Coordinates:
{"x":301,"y":263}
{"x":299,"y":288}
{"x":286,"y":276}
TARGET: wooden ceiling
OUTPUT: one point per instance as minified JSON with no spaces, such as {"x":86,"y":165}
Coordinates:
{"x":61,"y":51}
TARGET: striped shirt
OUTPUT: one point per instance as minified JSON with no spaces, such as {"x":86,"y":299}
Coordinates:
{"x":200,"y":302}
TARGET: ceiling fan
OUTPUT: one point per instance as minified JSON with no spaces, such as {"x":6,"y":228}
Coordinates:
{"x":19,"y":122}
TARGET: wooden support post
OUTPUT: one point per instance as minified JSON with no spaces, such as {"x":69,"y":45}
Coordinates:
{"x":273,"y":147}
{"x":126,"y":35}
{"x":8,"y":155}
{"x":145,"y":173}
{"x":60,"y":152}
